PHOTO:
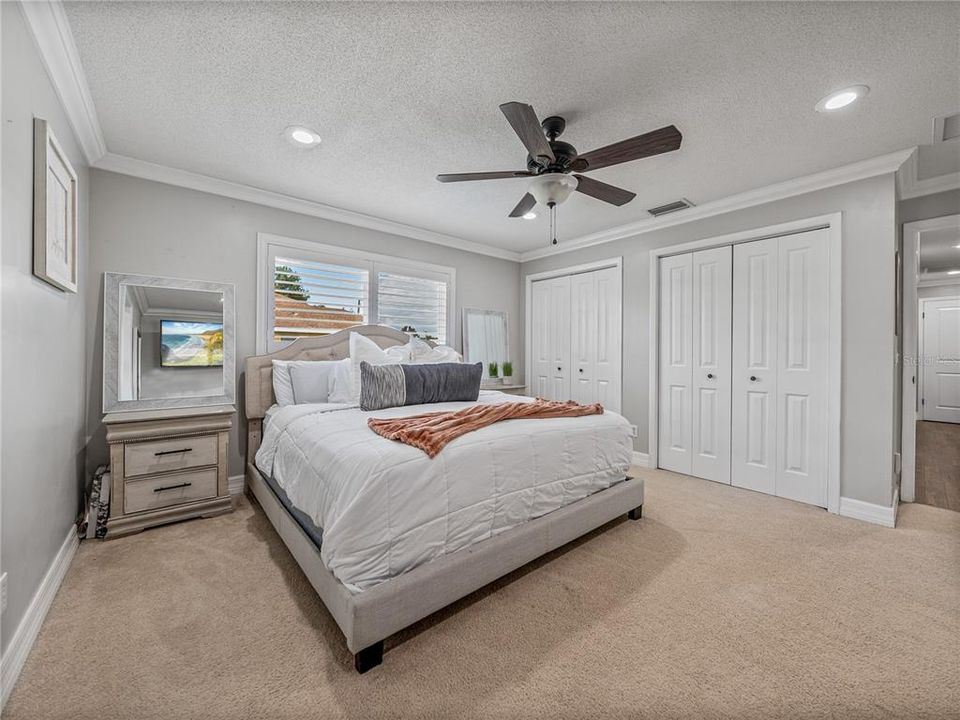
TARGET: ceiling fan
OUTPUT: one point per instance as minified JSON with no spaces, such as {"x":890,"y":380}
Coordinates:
{"x":555,"y":166}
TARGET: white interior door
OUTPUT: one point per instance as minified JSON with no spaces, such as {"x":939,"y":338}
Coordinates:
{"x":711,"y":376}
{"x":676,"y":364}
{"x":802,"y":372}
{"x":940,"y":335}
{"x":550,"y":320}
{"x":609,"y":354}
{"x":583,"y":337}
{"x":754,"y":441}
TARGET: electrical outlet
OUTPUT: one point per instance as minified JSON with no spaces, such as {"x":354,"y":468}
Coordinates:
{"x":634,"y":431}
{"x":3,"y":593}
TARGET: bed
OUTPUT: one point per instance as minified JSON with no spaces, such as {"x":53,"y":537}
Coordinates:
{"x":387,"y":536}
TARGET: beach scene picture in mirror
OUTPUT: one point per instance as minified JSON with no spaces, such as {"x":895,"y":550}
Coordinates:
{"x":191,"y":344}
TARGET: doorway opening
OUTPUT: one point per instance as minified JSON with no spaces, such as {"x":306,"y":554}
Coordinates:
{"x":931,"y":367}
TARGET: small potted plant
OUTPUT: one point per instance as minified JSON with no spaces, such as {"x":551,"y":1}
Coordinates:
{"x":493,"y":370}
{"x":507,"y":372}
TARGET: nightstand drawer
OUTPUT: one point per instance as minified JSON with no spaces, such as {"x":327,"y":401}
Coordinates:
{"x":155,"y":456}
{"x":173,"y":489}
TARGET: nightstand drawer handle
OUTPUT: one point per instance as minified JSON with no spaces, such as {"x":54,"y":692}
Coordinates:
{"x":172,"y":487}
{"x":173,"y":452}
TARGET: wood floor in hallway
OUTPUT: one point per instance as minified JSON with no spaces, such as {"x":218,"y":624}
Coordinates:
{"x":938,"y":464}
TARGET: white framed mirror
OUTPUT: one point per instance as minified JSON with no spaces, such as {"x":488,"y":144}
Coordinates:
{"x":167,"y":343}
{"x":485,"y":339}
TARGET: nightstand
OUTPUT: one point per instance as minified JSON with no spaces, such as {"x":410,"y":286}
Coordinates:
{"x":167,"y":465}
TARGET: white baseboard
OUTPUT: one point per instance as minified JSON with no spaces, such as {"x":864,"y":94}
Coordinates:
{"x":26,"y":633}
{"x":641,"y":459}
{"x":868,"y":512}
{"x":235,"y":484}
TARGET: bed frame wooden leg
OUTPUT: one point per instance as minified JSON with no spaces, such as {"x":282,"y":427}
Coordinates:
{"x":636,"y":513}
{"x":368,"y":658}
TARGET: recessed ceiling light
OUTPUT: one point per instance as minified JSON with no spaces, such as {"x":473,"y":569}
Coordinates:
{"x":842,"y":98}
{"x":529,"y":216}
{"x":957,"y":247}
{"x":953,"y":272}
{"x":301,"y":136}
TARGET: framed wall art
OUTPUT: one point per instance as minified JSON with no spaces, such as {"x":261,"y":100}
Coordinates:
{"x":54,"y":211}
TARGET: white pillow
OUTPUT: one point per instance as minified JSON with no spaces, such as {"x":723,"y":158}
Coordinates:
{"x":364,"y":349}
{"x":422,"y":354}
{"x":283,"y":384}
{"x":310,"y":380}
{"x":340,"y":388}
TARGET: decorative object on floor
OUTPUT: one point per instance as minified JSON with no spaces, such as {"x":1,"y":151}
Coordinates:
{"x":167,"y":465}
{"x":94,"y":523}
{"x":550,"y":162}
{"x":54,"y":211}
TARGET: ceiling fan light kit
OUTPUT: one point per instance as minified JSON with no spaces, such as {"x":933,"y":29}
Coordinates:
{"x":551,"y":162}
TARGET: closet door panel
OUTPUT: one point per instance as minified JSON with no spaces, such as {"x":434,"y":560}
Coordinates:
{"x":711,"y":377}
{"x":560,"y":338}
{"x":803,"y":319}
{"x":608,"y":353}
{"x":541,"y":376}
{"x":676,"y":363}
{"x":754,"y":438}
{"x":550,"y":319}
{"x":583,"y":332}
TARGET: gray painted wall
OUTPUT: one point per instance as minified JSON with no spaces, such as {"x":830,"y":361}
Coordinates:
{"x":139,"y":226}
{"x":930,"y":206}
{"x":42,"y":366}
{"x":869,"y":242}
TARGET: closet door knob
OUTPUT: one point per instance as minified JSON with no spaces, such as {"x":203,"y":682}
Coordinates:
{"x":581,"y":369}
{"x":709,"y":376}
{"x":753,"y":378}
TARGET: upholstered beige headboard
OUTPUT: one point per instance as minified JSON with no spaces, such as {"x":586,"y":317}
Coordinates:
{"x":258,"y":384}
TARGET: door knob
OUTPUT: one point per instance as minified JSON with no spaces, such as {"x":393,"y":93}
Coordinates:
{"x":581,"y":369}
{"x":709,"y":376}
{"x":753,"y":378}
{"x":558,"y":368}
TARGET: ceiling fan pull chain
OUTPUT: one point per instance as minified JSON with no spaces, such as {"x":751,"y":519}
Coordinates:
{"x":553,"y":223}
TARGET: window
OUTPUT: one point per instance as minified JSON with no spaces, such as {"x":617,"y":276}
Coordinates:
{"x":307,"y":290}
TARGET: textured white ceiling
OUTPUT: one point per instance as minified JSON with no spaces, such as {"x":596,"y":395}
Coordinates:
{"x":401,"y":92}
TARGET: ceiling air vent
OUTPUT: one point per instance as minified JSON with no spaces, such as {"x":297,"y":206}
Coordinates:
{"x":681,"y":204}
{"x":946,"y":127}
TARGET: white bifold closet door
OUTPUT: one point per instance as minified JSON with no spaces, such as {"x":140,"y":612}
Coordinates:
{"x":550,"y":320}
{"x":780,"y":373}
{"x":695,"y":364}
{"x":594,"y":337}
{"x":575,"y":331}
{"x":744,"y":334}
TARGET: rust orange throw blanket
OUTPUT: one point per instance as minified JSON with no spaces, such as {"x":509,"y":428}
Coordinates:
{"x":432,"y":431}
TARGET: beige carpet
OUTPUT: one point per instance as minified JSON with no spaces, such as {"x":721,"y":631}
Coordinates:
{"x":720,"y":603}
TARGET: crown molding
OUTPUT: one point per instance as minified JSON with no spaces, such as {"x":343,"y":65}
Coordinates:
{"x":51,"y":31}
{"x":911,"y":186}
{"x":247,"y":193}
{"x":861,"y":170}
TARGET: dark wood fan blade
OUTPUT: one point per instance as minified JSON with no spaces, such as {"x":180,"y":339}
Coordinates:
{"x":652,"y":143}
{"x":461,"y":177}
{"x":602,"y":191}
{"x":524,"y":122}
{"x":524,"y":206}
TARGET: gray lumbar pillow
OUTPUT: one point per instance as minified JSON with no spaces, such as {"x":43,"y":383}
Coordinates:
{"x":383,"y":386}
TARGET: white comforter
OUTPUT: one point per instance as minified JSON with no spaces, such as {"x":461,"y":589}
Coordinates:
{"x":386,"y":507}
